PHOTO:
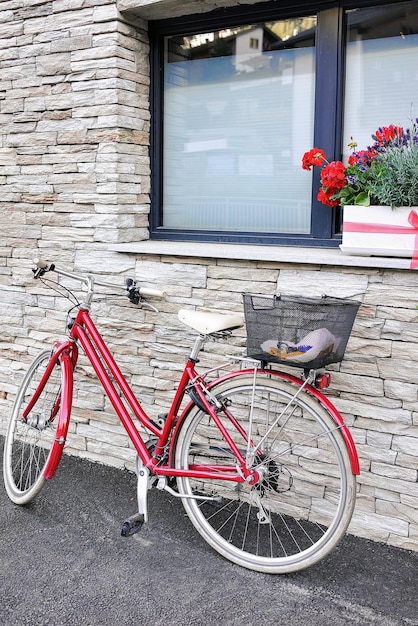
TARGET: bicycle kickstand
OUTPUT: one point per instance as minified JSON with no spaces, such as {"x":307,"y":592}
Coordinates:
{"x":134,"y":523}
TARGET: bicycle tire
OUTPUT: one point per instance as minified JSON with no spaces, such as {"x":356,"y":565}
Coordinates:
{"x":301,"y":508}
{"x":31,"y":445}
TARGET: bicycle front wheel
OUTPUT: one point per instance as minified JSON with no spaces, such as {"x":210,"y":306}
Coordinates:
{"x":31,"y":439}
{"x":303,"y":502}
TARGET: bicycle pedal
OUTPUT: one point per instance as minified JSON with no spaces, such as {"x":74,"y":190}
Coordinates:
{"x":132,"y":525}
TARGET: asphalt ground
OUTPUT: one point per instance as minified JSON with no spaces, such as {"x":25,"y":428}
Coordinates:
{"x":63,"y":561}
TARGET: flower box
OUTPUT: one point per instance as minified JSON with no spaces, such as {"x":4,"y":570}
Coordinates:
{"x":381,"y":231}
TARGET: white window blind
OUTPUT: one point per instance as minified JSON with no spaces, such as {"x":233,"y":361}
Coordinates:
{"x":235,"y":128}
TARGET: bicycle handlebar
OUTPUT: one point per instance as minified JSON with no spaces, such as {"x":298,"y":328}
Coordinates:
{"x":44,"y":266}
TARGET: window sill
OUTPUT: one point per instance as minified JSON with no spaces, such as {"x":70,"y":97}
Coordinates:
{"x":275,"y":254}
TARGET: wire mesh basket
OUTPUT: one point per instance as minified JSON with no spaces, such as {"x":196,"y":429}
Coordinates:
{"x":302,"y":332}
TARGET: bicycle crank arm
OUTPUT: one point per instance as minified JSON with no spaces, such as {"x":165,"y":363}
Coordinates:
{"x":163,"y":486}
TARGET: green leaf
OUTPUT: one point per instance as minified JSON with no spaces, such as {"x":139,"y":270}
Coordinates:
{"x":363,"y":198}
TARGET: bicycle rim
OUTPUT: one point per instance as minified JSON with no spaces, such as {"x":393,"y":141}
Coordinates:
{"x":29,"y":443}
{"x":302,"y":505}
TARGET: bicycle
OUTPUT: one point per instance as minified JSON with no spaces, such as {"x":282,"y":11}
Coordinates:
{"x":261,"y":459}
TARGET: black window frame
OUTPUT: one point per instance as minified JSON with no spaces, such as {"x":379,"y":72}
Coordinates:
{"x":329,"y":83}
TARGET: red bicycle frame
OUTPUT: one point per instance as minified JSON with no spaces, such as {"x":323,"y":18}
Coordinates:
{"x":84,"y":331}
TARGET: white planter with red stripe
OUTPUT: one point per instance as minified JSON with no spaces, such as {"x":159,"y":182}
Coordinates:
{"x":381,"y":231}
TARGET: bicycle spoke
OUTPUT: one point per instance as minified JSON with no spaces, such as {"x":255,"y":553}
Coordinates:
{"x":29,"y":441}
{"x":302,"y":501}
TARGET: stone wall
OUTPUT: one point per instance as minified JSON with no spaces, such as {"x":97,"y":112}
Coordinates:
{"x":75,"y":177}
{"x":74,"y":125}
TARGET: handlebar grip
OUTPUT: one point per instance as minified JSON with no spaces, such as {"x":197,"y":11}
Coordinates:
{"x":43,"y":267}
{"x":152,"y":293}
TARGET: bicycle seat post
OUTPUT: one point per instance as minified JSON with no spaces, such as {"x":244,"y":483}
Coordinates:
{"x":198,"y":344}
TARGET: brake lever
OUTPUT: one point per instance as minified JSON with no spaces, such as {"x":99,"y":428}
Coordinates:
{"x":135,"y":297}
{"x":38,"y":272}
{"x":132,"y":291}
{"x":41,"y":268}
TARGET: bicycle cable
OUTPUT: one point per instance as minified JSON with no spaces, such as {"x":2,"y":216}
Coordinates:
{"x":63,"y":291}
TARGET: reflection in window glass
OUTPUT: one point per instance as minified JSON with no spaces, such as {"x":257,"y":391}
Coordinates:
{"x":381,"y":85}
{"x":238,"y":115}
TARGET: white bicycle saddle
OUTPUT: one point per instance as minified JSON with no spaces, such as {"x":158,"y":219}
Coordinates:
{"x":207,"y":323}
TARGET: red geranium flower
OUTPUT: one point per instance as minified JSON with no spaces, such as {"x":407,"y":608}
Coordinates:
{"x":388,"y":133}
{"x":316,"y":156}
{"x":362,"y":156}
{"x":326,"y":197}
{"x":333,"y":176}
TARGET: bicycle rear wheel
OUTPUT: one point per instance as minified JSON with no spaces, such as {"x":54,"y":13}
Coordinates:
{"x":31,"y":441}
{"x":301,"y":506}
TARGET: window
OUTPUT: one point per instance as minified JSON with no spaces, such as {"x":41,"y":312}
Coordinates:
{"x":381,"y":79}
{"x":235,"y":124}
{"x":237,"y":101}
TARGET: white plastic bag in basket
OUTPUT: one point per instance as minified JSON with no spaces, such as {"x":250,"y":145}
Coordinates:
{"x":317,"y":343}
